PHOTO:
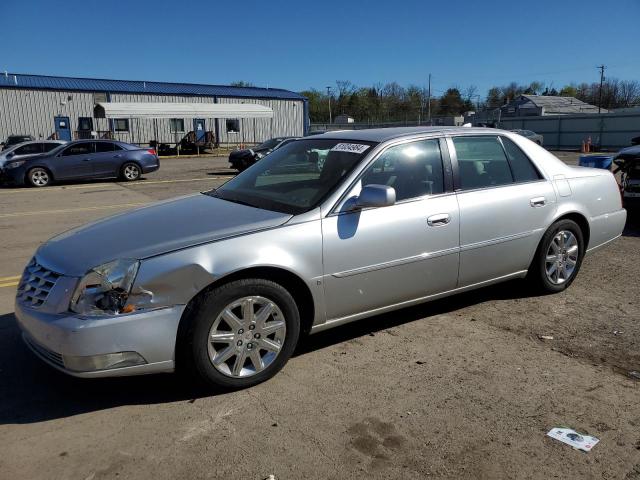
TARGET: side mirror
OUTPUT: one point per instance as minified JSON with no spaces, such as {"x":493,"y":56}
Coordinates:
{"x":375,"y":196}
{"x":10,"y":155}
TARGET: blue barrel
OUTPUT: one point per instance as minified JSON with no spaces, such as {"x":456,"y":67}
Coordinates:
{"x":596,"y":161}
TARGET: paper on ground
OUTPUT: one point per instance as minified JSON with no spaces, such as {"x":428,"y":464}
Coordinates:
{"x":573,"y":438}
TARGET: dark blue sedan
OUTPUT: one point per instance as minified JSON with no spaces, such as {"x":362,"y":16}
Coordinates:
{"x":82,"y":159}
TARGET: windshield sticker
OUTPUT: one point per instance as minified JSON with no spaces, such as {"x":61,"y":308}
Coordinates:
{"x":350,"y":147}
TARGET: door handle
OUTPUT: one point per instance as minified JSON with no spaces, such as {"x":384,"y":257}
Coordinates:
{"x":538,"y":202}
{"x":117,"y":156}
{"x":86,"y":159}
{"x":438,"y":220}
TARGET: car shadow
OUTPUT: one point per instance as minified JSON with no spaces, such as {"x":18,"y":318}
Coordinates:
{"x":33,"y":392}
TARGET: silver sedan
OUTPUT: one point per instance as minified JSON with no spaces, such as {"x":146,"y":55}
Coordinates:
{"x":326,"y":230}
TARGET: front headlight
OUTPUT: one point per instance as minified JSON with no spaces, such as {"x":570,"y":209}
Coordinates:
{"x":106,"y":289}
{"x":15,"y":164}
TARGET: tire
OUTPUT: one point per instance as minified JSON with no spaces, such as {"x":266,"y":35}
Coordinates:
{"x":39,"y":177}
{"x":555,"y":265}
{"x":242,"y":361}
{"x":130,"y":172}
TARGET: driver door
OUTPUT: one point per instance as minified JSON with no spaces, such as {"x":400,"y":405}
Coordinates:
{"x":378,"y":257}
{"x":73,"y":162}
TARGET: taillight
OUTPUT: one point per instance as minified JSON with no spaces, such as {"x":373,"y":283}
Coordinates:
{"x":151,"y":151}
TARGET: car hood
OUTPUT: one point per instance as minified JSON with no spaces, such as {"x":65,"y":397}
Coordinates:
{"x":153,"y":230}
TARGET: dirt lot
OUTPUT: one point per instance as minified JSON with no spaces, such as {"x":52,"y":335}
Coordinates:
{"x":459,"y":388}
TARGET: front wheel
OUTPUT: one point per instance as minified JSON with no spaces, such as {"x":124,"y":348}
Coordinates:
{"x":242,"y":333}
{"x":38,"y":177}
{"x":130,"y":172}
{"x":558,"y":257}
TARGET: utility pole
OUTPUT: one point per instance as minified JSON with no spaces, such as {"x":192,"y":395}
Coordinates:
{"x":329,"y":97}
{"x":429,"y":100}
{"x":601,"y":68}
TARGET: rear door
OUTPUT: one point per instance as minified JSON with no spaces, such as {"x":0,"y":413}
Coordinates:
{"x":505,"y":206}
{"x":73,"y":162}
{"x":107,"y":159}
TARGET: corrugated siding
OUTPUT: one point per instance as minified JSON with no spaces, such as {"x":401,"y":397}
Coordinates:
{"x":288,"y":120}
{"x":32,"y":112}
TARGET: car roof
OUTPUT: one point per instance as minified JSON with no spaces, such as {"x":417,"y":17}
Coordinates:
{"x":384,"y":134}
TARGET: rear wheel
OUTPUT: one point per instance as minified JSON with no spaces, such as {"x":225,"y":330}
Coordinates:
{"x":130,"y":172}
{"x":558,"y":257}
{"x":241,"y":333}
{"x":38,"y":177}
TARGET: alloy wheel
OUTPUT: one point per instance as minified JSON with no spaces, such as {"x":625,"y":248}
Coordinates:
{"x":562,"y":257}
{"x":246,"y":337}
{"x":40,"y":178}
{"x":131,"y":172}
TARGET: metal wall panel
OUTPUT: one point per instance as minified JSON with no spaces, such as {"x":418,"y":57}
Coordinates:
{"x":31,"y":112}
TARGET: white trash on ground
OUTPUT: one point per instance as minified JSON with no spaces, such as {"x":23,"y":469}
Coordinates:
{"x":573,"y":438}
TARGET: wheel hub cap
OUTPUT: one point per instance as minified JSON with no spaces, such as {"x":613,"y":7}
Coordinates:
{"x":562,"y":257}
{"x":246,"y":337}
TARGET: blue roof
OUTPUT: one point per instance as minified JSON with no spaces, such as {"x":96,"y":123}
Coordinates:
{"x":44,"y":82}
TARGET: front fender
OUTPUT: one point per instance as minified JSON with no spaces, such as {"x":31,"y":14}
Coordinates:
{"x":175,"y":278}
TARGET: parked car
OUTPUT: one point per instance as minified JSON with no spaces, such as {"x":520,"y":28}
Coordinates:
{"x":14,"y":140}
{"x":627,"y":162}
{"x":82,"y":159}
{"x":533,"y":136}
{"x":243,"y":159}
{"x":28,"y":149}
{"x":224,"y":282}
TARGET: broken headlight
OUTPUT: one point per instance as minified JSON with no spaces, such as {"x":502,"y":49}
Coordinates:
{"x":105,"y":289}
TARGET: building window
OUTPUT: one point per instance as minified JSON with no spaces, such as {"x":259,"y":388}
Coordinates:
{"x":121,"y":124}
{"x":85,"y":123}
{"x":176,"y":125}
{"x":233,"y":125}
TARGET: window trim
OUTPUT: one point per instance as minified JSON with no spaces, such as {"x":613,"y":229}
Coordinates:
{"x":226,"y":125}
{"x":85,"y":129}
{"x":456,"y":167}
{"x":447,"y":171}
{"x":173,"y":130}
{"x":115,"y":123}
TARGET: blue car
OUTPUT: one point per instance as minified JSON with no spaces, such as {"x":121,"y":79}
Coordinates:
{"x":80,"y":160}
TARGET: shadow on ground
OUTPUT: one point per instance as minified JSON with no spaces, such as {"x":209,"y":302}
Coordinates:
{"x":33,"y":392}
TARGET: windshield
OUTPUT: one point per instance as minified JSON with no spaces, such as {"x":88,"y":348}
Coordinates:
{"x":268,"y":144}
{"x":296,"y":177}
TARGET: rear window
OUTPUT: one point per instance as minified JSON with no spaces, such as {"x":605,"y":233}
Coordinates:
{"x":522,"y":168}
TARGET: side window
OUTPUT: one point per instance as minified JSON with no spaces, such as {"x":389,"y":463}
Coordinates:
{"x":78,"y":149}
{"x":29,"y":149}
{"x":233,"y":125}
{"x":482,"y":162}
{"x":176,"y":125}
{"x":102,"y":147}
{"x":50,"y":146}
{"x":523,"y":169}
{"x":412,"y":169}
{"x":85,"y":123}
{"x":121,"y":124}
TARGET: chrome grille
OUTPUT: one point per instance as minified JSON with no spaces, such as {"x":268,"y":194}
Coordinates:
{"x":36,"y":283}
{"x":47,"y":354}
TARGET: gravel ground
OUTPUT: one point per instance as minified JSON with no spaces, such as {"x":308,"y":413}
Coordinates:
{"x":464,"y":387}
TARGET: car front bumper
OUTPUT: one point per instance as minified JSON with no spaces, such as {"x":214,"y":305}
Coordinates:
{"x":63,"y":339}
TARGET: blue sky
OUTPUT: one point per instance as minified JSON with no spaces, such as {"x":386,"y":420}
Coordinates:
{"x":298,"y":45}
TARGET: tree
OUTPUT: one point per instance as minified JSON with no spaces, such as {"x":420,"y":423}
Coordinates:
{"x":242,"y":83}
